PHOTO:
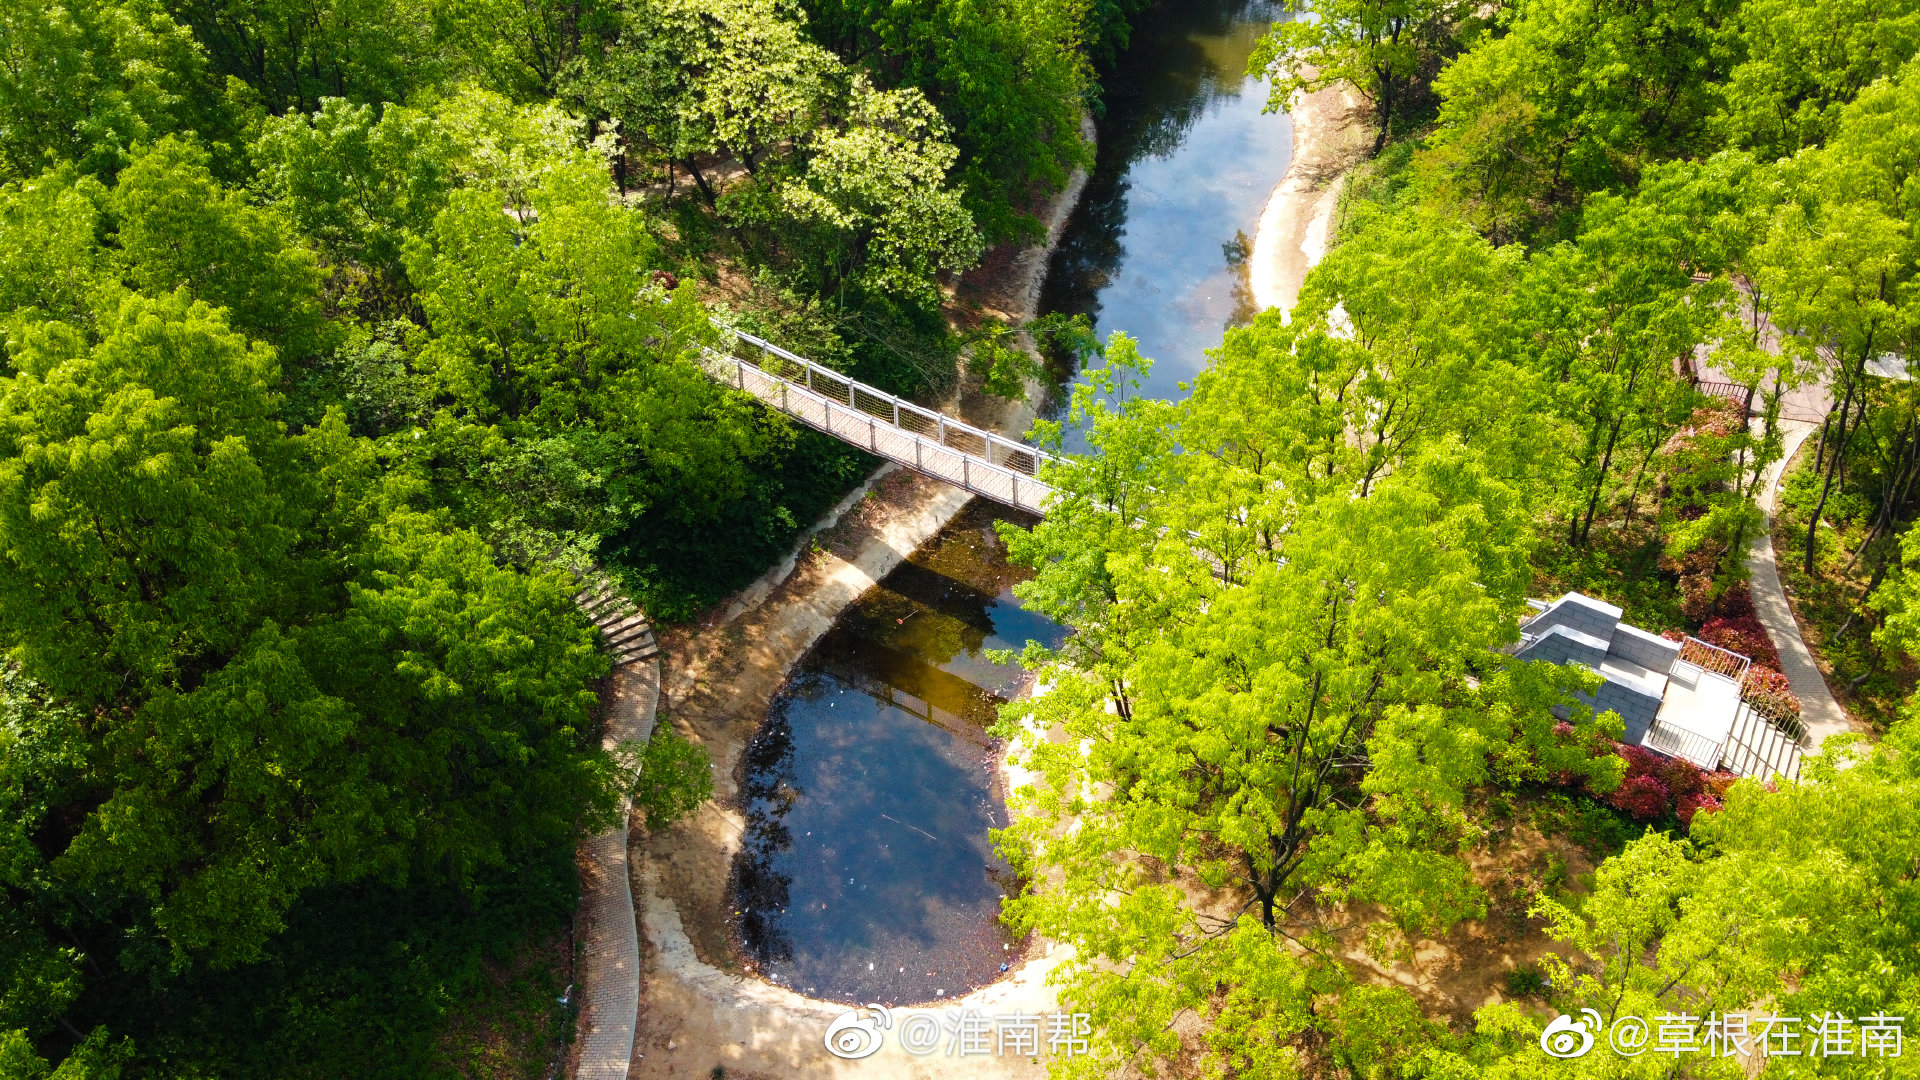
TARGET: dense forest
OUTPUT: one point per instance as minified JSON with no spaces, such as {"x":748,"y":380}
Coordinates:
{"x":340,"y":337}
{"x":1589,"y":237}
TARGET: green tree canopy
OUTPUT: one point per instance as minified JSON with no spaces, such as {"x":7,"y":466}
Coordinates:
{"x":278,"y":675}
{"x":1282,"y":685}
{"x":86,"y":82}
{"x":1378,"y":47}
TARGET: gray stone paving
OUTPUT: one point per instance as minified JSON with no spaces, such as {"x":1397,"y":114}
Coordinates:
{"x":1819,"y":710}
{"x":609,"y":940}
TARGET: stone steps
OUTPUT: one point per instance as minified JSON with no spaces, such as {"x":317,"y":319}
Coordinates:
{"x":625,"y":634}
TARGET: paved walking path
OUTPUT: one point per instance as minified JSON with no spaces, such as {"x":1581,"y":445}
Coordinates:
{"x":609,"y":939}
{"x":1819,"y":711}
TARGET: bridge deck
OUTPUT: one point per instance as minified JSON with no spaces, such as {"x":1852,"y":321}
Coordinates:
{"x":923,"y":440}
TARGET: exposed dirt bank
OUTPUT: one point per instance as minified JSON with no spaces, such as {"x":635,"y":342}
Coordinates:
{"x":1329,"y":136}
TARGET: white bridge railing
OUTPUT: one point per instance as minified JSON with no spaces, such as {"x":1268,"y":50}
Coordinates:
{"x":923,"y":440}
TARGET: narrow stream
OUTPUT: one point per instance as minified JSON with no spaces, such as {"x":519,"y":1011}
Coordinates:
{"x":866,"y":872}
{"x":1159,"y":244}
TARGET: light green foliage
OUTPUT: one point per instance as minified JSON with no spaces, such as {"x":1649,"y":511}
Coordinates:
{"x":747,"y":78}
{"x":1790,"y":902}
{"x":1392,"y":344}
{"x":96,"y":1058}
{"x":1379,"y":1033}
{"x":1009,"y":76}
{"x":1576,"y":96}
{"x":1805,"y":61}
{"x":50,"y":255}
{"x":86,"y":82}
{"x":1603,"y":319}
{"x":1378,"y":47}
{"x":498,"y":143}
{"x":1899,"y":599}
{"x":1003,"y":363}
{"x":1841,"y":261}
{"x":875,"y":199}
{"x":179,"y":229}
{"x":1267,"y":703}
{"x":688,"y":78}
{"x":280,"y":675}
{"x":357,"y":186}
{"x":671,"y":777}
{"x":548,"y":332}
{"x":522,"y":47}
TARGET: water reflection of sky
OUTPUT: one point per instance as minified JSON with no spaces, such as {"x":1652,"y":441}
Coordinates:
{"x":866,"y":872}
{"x":1187,"y":160}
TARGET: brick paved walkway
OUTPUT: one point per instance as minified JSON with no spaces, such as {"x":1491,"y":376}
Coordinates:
{"x":609,"y":942}
{"x":1819,"y":710}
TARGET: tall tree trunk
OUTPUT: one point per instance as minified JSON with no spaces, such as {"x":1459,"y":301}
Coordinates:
{"x":700,"y":179}
{"x":1600,"y":483}
{"x":1854,"y":380}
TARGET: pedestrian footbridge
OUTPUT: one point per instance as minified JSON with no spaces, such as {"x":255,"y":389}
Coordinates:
{"x":928,"y":442}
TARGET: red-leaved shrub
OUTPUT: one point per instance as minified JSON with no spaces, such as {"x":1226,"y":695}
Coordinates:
{"x":1745,"y":636}
{"x":1770,"y":694}
{"x":1690,"y":805}
{"x":1644,"y":797}
{"x":1656,"y":785}
{"x":1736,"y":602}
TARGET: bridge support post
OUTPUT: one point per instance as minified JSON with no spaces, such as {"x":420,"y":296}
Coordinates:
{"x":966,"y":472}
{"x":873,"y":436}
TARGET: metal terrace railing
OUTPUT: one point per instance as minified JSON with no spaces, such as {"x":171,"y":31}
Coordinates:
{"x":921,"y":439}
{"x":1715,"y":659}
{"x":1675,"y":742}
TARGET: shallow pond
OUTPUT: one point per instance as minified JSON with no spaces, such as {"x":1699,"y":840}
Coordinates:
{"x":866,"y":872}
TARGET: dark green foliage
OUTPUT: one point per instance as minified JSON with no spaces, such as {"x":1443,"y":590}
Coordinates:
{"x":677,"y":570}
{"x":293,"y":54}
{"x":1526,"y":982}
{"x":359,"y":984}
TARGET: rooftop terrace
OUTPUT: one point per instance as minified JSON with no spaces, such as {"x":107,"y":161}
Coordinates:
{"x":1681,"y":698}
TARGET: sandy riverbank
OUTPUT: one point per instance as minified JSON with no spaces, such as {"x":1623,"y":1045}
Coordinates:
{"x":699,"y":1009}
{"x":1330,"y":136}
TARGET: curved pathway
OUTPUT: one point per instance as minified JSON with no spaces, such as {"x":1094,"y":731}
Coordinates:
{"x":609,"y":941}
{"x":1819,"y":710}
